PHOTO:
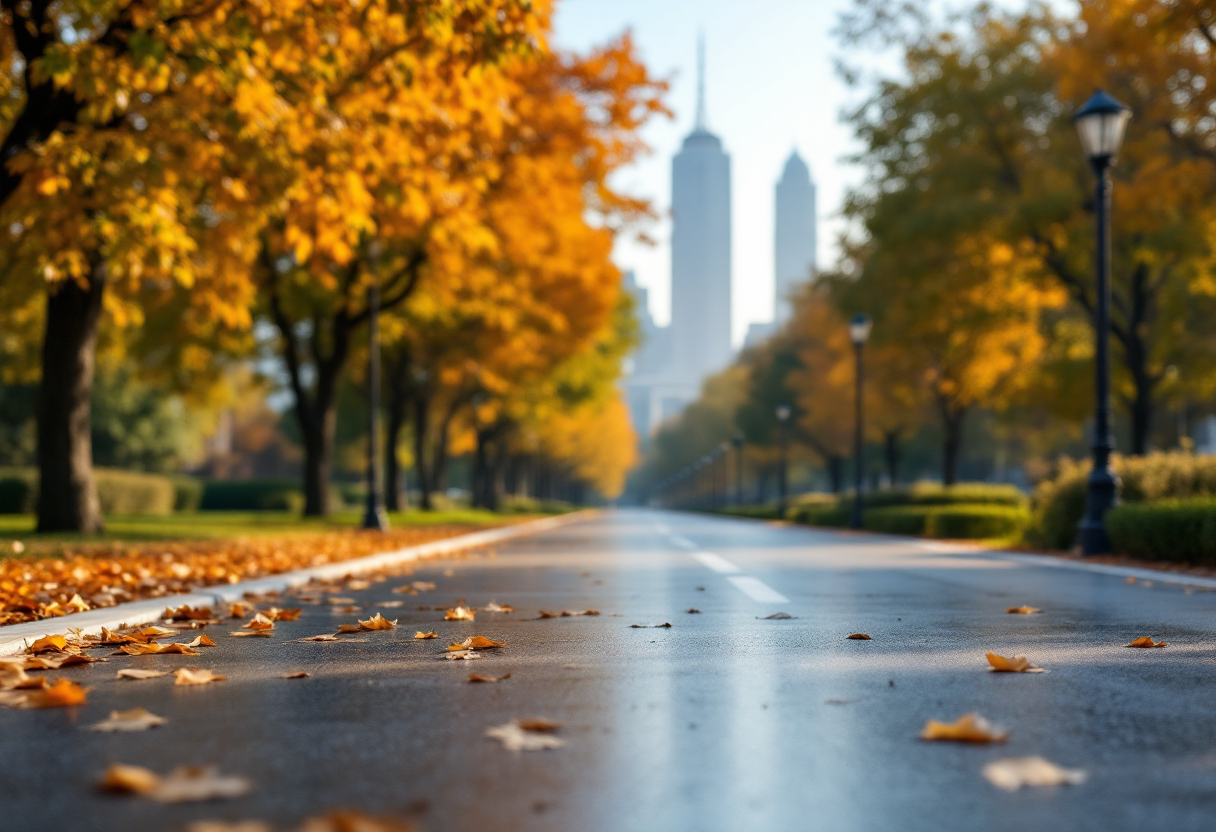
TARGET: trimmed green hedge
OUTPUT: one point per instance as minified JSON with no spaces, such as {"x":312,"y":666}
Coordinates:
{"x":187,"y":493}
{"x":931,"y":494}
{"x":119,"y":492}
{"x":958,"y":522}
{"x":1059,"y":502}
{"x":252,"y":495}
{"x":1174,"y":530}
{"x":836,"y":517}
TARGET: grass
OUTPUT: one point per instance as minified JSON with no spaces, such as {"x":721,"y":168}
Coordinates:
{"x":213,"y":525}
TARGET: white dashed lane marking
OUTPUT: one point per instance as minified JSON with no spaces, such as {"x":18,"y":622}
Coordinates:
{"x":758,"y":590}
{"x":716,"y":563}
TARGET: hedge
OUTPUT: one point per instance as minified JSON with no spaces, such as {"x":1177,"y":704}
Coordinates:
{"x":119,"y":492}
{"x":187,"y":493}
{"x":958,"y":522}
{"x":931,"y":494}
{"x":1174,"y":530}
{"x":252,"y":495}
{"x":1059,"y":502}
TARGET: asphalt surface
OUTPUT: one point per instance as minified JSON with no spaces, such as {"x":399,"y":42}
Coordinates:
{"x":725,"y":721}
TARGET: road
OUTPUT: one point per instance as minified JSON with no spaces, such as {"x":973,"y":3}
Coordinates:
{"x":724,"y":721}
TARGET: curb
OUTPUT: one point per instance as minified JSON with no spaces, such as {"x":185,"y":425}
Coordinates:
{"x":15,"y":637}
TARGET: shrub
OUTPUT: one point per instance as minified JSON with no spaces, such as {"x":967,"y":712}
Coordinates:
{"x":767,"y":511}
{"x":130,"y":492}
{"x":1059,"y":502}
{"x":910,"y":520}
{"x":977,"y":522}
{"x":1176,"y":530}
{"x":187,"y":493}
{"x":252,"y":495}
{"x":833,"y":516}
{"x":932,"y":494}
{"x":18,"y":488}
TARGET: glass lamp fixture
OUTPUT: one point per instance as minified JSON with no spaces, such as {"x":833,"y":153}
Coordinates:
{"x":859,"y":328}
{"x":1100,"y":124}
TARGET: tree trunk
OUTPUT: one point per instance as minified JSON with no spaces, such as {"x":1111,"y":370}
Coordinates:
{"x":422,"y":429}
{"x":836,"y":473}
{"x":439,"y":467}
{"x":398,"y":409}
{"x":952,"y":424}
{"x":891,"y":454}
{"x":67,"y":495}
{"x":318,"y":455}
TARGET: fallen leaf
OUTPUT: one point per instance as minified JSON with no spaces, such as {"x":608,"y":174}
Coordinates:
{"x":967,"y":728}
{"x":136,"y":719}
{"x":1013,"y":773}
{"x":59,"y":695}
{"x":665,"y":626}
{"x":348,"y":628}
{"x":14,"y":677}
{"x":112,"y":639}
{"x":185,"y":785}
{"x":539,"y":724}
{"x":188,"y":613}
{"x":77,"y":604}
{"x":154,"y":649}
{"x":140,"y":673}
{"x":187,"y":676}
{"x":276,"y":614}
{"x":339,"y":601}
{"x":1023,"y":610}
{"x":322,"y":637}
{"x":378,"y":622}
{"x":459,"y":614}
{"x":1130,"y":580}
{"x":1147,"y":641}
{"x":390,"y":605}
{"x":515,"y":737}
{"x":239,"y":609}
{"x":358,"y":585}
{"x":252,"y":634}
{"x":477,"y":677}
{"x":421,"y":634}
{"x":405,"y":590}
{"x":124,"y":779}
{"x":463,"y":655}
{"x":859,"y":637}
{"x":1014,"y":664}
{"x":477,"y":643}
{"x":423,"y":586}
{"x":54,"y":662}
{"x":777,"y":616}
{"x":154,"y":632}
{"x":299,"y":674}
{"x":692,"y":611}
{"x":259,"y":622}
{"x":48,"y":644}
{"x":493,"y":607}
{"x":203,"y":640}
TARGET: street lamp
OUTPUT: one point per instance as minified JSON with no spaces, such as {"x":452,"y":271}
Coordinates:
{"x":783,"y":421}
{"x":859,"y":331}
{"x":737,"y":441}
{"x":1100,"y":124}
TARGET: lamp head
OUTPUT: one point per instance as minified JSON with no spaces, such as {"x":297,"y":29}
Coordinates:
{"x":783,"y":412}
{"x":859,"y":328}
{"x":1100,"y":124}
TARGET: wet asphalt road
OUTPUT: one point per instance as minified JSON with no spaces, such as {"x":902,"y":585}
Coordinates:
{"x":722,"y":722}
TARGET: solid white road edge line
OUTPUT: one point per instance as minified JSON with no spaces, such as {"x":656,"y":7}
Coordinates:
{"x":15,"y":637}
{"x":716,"y":563}
{"x":682,"y":542}
{"x":758,"y":590}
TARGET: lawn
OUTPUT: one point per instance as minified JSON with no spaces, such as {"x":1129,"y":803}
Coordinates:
{"x":212,"y":525}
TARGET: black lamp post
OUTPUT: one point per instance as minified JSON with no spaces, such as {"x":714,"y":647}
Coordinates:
{"x":737,"y":441}
{"x":374,"y":516}
{"x":859,"y":331}
{"x":723,"y":475}
{"x":783,"y":423}
{"x":1100,"y":124}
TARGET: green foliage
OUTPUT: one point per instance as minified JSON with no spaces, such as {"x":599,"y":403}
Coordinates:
{"x":18,"y":435}
{"x":835,"y":516}
{"x":252,"y":495}
{"x":932,"y":494}
{"x":120,"y":492}
{"x":907,"y":520}
{"x":531,"y":505}
{"x":1171,"y":530}
{"x":767,"y":511}
{"x":1059,"y":502}
{"x":138,"y":427}
{"x":976,"y":522}
{"x":187,"y":493}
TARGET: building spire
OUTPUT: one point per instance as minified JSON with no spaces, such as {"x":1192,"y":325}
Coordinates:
{"x":701,"y":122}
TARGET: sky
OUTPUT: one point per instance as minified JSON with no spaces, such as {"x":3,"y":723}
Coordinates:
{"x":771,"y":87}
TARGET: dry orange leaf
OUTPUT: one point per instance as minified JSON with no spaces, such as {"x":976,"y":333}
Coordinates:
{"x":322,"y":637}
{"x":337,"y":601}
{"x":299,"y":674}
{"x":539,"y":724}
{"x":378,"y":622}
{"x":421,"y":634}
{"x":493,"y":607}
{"x":516,"y":737}
{"x":358,"y":585}
{"x":276,"y":614}
{"x":259,"y":622}
{"x":140,"y":673}
{"x":967,"y":728}
{"x":188,"y":613}
{"x":136,"y":719}
{"x":859,"y":637}
{"x":203,"y":640}
{"x":153,"y":649}
{"x":252,"y":634}
{"x":459,"y":614}
{"x":179,"y":786}
{"x":1147,"y":641}
{"x":1023,"y":610}
{"x":348,"y":628}
{"x":477,"y":677}
{"x":477,"y":643}
{"x":188,"y":676}
{"x":48,"y":644}
{"x":61,"y":694}
{"x":423,"y":586}
{"x":1013,"y":773}
{"x":1012,"y":664}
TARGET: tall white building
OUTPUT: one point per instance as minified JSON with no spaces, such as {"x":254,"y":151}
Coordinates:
{"x":700,"y":250}
{"x":668,"y":371}
{"x":794,"y":238}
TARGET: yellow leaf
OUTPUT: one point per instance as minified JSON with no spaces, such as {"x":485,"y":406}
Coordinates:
{"x":136,"y":719}
{"x":188,"y":676}
{"x":1023,"y":610}
{"x":421,"y":634}
{"x":1147,"y":641}
{"x":459,"y":614}
{"x":967,"y":728}
{"x":61,"y":694}
{"x":377,"y":622}
{"x":1015,"y":664}
{"x":139,"y":673}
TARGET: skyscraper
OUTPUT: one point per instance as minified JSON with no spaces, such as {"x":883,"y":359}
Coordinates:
{"x":700,"y":250}
{"x":794,"y":254}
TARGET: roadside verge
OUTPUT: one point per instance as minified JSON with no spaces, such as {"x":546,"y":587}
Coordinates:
{"x":14,"y":637}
